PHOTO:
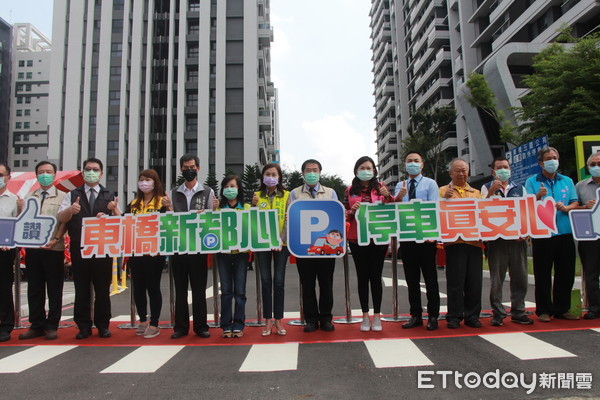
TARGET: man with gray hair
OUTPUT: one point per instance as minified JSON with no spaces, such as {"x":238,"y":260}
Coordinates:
{"x":559,"y":249}
{"x":589,"y":250}
{"x":463,"y":258}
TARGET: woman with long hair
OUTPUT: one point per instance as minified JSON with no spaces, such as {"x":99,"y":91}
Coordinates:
{"x":146,"y":270}
{"x":272,"y":196}
{"x":368,"y":260}
{"x":232,"y":266}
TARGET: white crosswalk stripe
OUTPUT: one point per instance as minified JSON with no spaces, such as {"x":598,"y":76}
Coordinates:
{"x":31,"y":357}
{"x":526,"y":347}
{"x":391,"y":353}
{"x":271,"y":357}
{"x":145,"y":359}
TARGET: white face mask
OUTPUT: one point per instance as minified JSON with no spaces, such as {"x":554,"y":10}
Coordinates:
{"x":2,"y":183}
{"x":146,"y":186}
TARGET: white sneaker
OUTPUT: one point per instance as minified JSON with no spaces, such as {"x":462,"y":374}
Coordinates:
{"x":151,"y":331}
{"x":142,"y":326}
{"x":366,"y":325}
{"x":377,"y":324}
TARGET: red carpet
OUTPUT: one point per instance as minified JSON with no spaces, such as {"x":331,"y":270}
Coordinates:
{"x":342,"y":333}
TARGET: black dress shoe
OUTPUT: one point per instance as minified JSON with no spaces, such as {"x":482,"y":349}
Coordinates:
{"x":203,"y":334}
{"x":30,"y":334}
{"x":327,"y":326}
{"x":83,"y":334}
{"x":4,"y":337}
{"x":413,"y":322}
{"x":178,"y":334}
{"x":474,"y":323}
{"x":591,"y":315}
{"x":432,"y":324}
{"x":104,"y":333}
{"x":311,"y":327}
{"x":453,"y":324}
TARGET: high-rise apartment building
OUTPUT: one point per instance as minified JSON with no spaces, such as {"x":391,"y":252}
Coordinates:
{"x":434,"y":46}
{"x":5,"y":89}
{"x":28,"y":135}
{"x":139,"y":83}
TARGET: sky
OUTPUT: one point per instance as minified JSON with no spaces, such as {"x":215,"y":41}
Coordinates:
{"x":321,"y":66}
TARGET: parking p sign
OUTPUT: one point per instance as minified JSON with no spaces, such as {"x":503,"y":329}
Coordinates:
{"x":317,"y":228}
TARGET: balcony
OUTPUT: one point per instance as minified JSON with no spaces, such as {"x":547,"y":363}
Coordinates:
{"x":437,"y":37}
{"x":264,"y":118}
{"x":458,"y":64}
{"x":435,"y":87}
{"x":265,"y":33}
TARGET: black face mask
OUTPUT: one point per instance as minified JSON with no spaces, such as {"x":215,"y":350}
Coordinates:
{"x":189,"y":174}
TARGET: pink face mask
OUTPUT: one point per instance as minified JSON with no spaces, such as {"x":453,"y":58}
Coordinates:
{"x":146,"y":186}
{"x":270,"y":181}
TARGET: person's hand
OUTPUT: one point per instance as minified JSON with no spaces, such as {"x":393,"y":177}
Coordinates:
{"x":112,"y":205}
{"x":20,"y":204}
{"x":215,"y":203}
{"x":51,"y":243}
{"x":590,"y":204}
{"x":3,"y":248}
{"x":496,"y":185}
{"x":166,"y":202}
{"x":542,"y":192}
{"x":355,"y":207}
{"x":254,"y":200}
{"x":449,"y":192}
{"x":402,"y":192}
{"x":75,"y":208}
{"x":384,"y":191}
{"x":561,"y":207}
{"x":100,"y":215}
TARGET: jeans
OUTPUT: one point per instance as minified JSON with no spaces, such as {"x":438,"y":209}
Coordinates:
{"x":233,"y":271}
{"x":146,"y":272}
{"x":272,"y":286}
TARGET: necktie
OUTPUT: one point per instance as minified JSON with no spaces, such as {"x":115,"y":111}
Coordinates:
{"x":313,"y":192}
{"x":92,"y":200}
{"x":44,"y":194}
{"x":412,"y":189}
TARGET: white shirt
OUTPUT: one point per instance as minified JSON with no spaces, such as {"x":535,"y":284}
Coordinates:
{"x":189,"y":193}
{"x":8,"y":204}
{"x":66,"y":203}
{"x":484,"y":190}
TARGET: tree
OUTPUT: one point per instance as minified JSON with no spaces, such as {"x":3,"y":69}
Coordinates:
{"x":426,"y":134}
{"x":211,"y":181}
{"x":334,"y":182}
{"x":482,"y":98}
{"x":251,"y":181}
{"x":292,"y":180}
{"x":564,"y":97}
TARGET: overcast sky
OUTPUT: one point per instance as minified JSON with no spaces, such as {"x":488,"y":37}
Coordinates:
{"x":321,"y":65}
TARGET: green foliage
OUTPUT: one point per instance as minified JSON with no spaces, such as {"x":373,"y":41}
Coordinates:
{"x":180,"y":180}
{"x":211,"y":181}
{"x":334,"y":182}
{"x":564,"y":100}
{"x":251,"y":181}
{"x":426,"y":135}
{"x":482,"y":97}
{"x":292,"y":180}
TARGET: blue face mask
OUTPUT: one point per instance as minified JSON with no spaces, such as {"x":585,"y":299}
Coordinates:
{"x":551,"y":166}
{"x":413,"y":168}
{"x":595,"y":171}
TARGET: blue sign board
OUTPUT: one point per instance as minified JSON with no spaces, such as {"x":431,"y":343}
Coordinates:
{"x":523,"y":159}
{"x":317,"y":228}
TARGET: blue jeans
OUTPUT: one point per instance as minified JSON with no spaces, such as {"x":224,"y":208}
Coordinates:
{"x":272,"y":287}
{"x":232,"y":271}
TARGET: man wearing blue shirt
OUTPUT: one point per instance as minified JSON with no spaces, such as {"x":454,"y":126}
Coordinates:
{"x":419,"y":257}
{"x":558,"y":250}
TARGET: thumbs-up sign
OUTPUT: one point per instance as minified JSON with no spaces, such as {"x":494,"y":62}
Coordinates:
{"x":112,"y":205}
{"x":449,"y":192}
{"x":496,"y":185}
{"x":20,"y":204}
{"x":254,"y":200}
{"x":384,"y":191}
{"x":31,"y":228}
{"x":402,"y":192}
{"x":75,"y":207}
{"x":167,"y":203}
{"x":542,"y":192}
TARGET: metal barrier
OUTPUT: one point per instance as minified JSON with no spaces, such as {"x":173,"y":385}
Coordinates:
{"x":215,"y":274}
{"x":17,"y":274}
{"x":132,"y":323}
{"x":395,"y":317}
{"x":348,"y":319}
{"x":171,"y":324}
{"x":259,"y":316}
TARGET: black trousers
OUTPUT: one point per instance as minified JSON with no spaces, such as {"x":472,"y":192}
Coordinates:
{"x":146,"y":272}
{"x":557,"y":251}
{"x":45,"y":275}
{"x":419,"y":258}
{"x":589,"y":251}
{"x":464,"y":264}
{"x":190,"y":268}
{"x":87,"y":272}
{"x":7,"y":306}
{"x":309,"y":270}
{"x":368,"y":261}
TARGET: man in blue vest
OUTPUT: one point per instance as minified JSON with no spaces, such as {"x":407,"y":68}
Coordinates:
{"x":506,"y":254}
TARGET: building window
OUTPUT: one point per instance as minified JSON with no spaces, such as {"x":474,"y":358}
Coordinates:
{"x":17,"y":150}
{"x":192,"y":99}
{"x":116,"y":50}
{"x":113,"y":123}
{"x":27,"y":112}
{"x":25,"y":125}
{"x":118,"y":4}
{"x":25,"y":151}
{"x":92,"y":122}
{"x":193,"y":50}
{"x":96,"y":47}
{"x":193,"y":29}
{"x":29,"y":75}
{"x":18,"y":125}
{"x":19,"y":100}
{"x":192,"y":75}
{"x":25,"y":163}
{"x":28,"y":88}
{"x":93,"y":95}
{"x":191,"y":124}
{"x":17,"y":163}
{"x":94,"y":71}
{"x":115,"y":73}
{"x":19,"y":113}
{"x":194,"y":5}
{"x":117,"y":26}
{"x":114,"y":97}
{"x":30,"y":63}
{"x":21,"y":75}
{"x":28,"y":100}
{"x":26,"y":138}
{"x":113,"y":148}
{"x":21,"y":63}
{"x":19,"y":87}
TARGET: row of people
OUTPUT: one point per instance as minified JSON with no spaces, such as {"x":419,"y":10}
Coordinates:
{"x":464,"y":258}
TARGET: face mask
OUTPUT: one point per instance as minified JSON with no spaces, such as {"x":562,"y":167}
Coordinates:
{"x":45,"y":179}
{"x":551,"y":166}
{"x":189,"y":174}
{"x":230,"y":193}
{"x":413,"y":168}
{"x":2,"y":184}
{"x":146,"y":186}
{"x":365,"y":175}
{"x":311,"y":178}
{"x":91,"y":176}
{"x":270,"y":181}
{"x":503,"y":174}
{"x":595,"y":171}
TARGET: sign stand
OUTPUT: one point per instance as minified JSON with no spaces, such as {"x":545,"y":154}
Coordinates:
{"x":171,"y":324}
{"x":348,"y":318}
{"x":259,"y":316}
{"x":395,"y":317}
{"x":215,"y":274}
{"x":132,"y":323}
{"x":18,"y":324}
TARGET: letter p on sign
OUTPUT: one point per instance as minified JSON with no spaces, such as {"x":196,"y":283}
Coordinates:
{"x":312,"y":221}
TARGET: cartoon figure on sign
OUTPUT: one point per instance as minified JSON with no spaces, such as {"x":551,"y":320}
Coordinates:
{"x":328,"y":245}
